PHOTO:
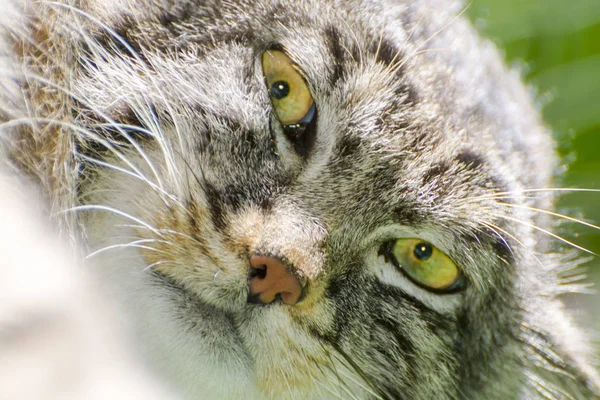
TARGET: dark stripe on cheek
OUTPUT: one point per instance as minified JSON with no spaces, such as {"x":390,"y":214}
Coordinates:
{"x":396,"y":295}
{"x":215,"y":206}
{"x":348,"y":303}
{"x":400,"y":341}
{"x":348,"y":146}
{"x":390,"y":325}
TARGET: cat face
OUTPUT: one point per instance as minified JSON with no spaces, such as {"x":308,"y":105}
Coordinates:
{"x":337,"y":139}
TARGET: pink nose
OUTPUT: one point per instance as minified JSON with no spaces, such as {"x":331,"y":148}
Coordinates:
{"x":270,"y":277}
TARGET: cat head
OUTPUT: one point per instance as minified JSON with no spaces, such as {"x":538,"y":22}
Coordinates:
{"x":365,"y":153}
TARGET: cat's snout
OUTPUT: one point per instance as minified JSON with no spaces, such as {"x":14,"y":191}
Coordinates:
{"x":270,"y":278}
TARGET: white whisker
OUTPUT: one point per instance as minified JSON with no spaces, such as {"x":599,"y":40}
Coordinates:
{"x":519,"y":193}
{"x":359,"y":384}
{"x":327,"y":388}
{"x":151,"y":266}
{"x":164,"y":231}
{"x":285,"y":380}
{"x":85,"y":132}
{"x":140,"y":62}
{"x":97,"y":207}
{"x":81,"y":129}
{"x":546,"y":389}
{"x":546,"y":232}
{"x":555,"y":214}
{"x":344,"y":385}
{"x":494,"y":228}
{"x":136,"y":243}
{"x":108,"y":165}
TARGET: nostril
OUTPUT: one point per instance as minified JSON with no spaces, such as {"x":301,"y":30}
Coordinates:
{"x":259,"y":272}
{"x":270,"y":279}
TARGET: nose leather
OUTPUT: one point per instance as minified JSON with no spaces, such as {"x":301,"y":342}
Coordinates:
{"x":270,"y":278}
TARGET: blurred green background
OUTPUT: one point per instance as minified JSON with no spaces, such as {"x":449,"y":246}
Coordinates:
{"x":556,"y":45}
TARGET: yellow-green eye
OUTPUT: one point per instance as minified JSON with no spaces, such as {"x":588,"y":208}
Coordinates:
{"x":289,"y":93}
{"x":425,"y":265}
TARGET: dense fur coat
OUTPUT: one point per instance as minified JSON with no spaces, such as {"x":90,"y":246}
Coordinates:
{"x":149,"y":130}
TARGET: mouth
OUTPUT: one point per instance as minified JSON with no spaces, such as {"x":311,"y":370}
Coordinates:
{"x":261,"y":339}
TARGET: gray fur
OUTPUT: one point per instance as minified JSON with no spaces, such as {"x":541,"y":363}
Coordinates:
{"x":421,"y":132}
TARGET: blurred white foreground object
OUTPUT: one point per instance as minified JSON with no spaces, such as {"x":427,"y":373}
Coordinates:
{"x":57,"y":336}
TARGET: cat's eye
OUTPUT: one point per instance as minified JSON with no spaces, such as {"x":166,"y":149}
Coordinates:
{"x":290,"y":95}
{"x":424,"y":264}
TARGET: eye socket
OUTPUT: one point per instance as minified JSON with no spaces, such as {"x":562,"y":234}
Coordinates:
{"x":291,"y":98}
{"x":424,"y":264}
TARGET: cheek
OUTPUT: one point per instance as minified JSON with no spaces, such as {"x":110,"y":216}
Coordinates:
{"x":173,"y":240}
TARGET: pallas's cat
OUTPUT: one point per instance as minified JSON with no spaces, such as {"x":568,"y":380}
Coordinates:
{"x":300,"y":200}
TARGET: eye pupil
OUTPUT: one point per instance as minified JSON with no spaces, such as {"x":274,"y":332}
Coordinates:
{"x":280,"y":89}
{"x":423,"y":251}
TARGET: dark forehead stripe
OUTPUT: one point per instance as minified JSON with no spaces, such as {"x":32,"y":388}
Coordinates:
{"x":387,"y":53}
{"x":474,"y":162}
{"x":470,"y":159}
{"x":437,"y":171}
{"x":383,"y":50}
{"x":226,"y":200}
{"x":337,"y":52}
{"x":175,"y":15}
{"x":169,"y":31}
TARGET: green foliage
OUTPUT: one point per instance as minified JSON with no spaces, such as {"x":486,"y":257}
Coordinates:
{"x":556,"y":44}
